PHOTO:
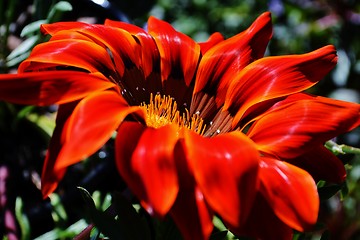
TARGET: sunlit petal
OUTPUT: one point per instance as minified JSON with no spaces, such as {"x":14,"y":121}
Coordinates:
{"x":54,"y":28}
{"x":196,"y":223}
{"x":223,"y":62}
{"x":145,"y":159}
{"x":291,"y":192}
{"x":149,"y":51}
{"x":214,"y":39}
{"x":77,"y":53}
{"x":91,"y":124}
{"x":50,"y":87}
{"x":292,"y":129}
{"x":179,"y":53}
{"x":273,"y":77}
{"x":225,"y":168}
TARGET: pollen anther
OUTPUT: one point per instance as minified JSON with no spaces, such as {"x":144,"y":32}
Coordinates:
{"x":162,"y":110}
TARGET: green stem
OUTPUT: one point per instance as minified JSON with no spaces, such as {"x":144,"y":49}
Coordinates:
{"x":341,"y":149}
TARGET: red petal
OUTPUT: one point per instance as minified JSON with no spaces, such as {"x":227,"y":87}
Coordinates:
{"x":292,"y":129}
{"x":70,"y":52}
{"x":123,"y":47}
{"x":274,"y":77}
{"x":54,"y":28}
{"x":322,"y":164}
{"x":191,"y":215}
{"x":49,"y":87}
{"x":50,"y":178}
{"x":214,"y":39}
{"x":291,"y":193}
{"x":149,"y":52}
{"x":92,"y":123}
{"x":179,"y":53}
{"x":145,"y":160}
{"x":190,"y":211}
{"x":263,"y":223}
{"x":223,"y":62}
{"x":225,"y":169}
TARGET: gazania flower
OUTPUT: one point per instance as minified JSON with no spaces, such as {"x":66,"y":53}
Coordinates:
{"x":202,"y":128}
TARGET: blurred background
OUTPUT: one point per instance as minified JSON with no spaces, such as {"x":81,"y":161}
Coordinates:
{"x":299,"y":26}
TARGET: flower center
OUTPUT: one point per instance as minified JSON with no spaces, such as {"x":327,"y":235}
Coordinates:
{"x":162,"y":110}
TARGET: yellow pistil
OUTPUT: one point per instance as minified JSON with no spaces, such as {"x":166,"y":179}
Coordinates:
{"x":162,"y":110}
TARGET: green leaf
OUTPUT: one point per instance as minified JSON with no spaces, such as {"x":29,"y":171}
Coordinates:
{"x":24,"y":47}
{"x":22,"y":219}
{"x":128,"y":226}
{"x":90,"y":204}
{"x":45,"y":123}
{"x":344,"y":191}
{"x":57,"y":10}
{"x":15,"y":61}
{"x":59,"y":214}
{"x":32,"y":28}
{"x":63,"y":6}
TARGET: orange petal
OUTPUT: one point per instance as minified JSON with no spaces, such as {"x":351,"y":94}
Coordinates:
{"x":292,"y":129}
{"x":144,"y":157}
{"x":221,"y":63}
{"x":322,"y":164}
{"x":291,"y":193}
{"x":91,"y":124}
{"x":54,"y":28}
{"x":225,"y":169}
{"x":214,"y":39}
{"x":273,"y":77}
{"x":149,"y":52}
{"x":179,"y":53}
{"x":77,"y":53}
{"x":50,"y":87}
{"x":263,"y":223}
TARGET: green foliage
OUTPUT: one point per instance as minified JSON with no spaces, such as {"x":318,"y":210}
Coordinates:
{"x":30,"y":33}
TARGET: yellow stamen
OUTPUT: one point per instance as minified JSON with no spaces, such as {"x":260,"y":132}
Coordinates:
{"x":163,"y":110}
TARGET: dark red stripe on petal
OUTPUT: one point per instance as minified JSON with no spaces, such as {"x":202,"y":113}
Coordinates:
{"x":179,"y":53}
{"x":149,"y":51}
{"x":220,"y":64}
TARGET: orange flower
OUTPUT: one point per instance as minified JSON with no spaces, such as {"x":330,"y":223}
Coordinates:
{"x":202,"y":128}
